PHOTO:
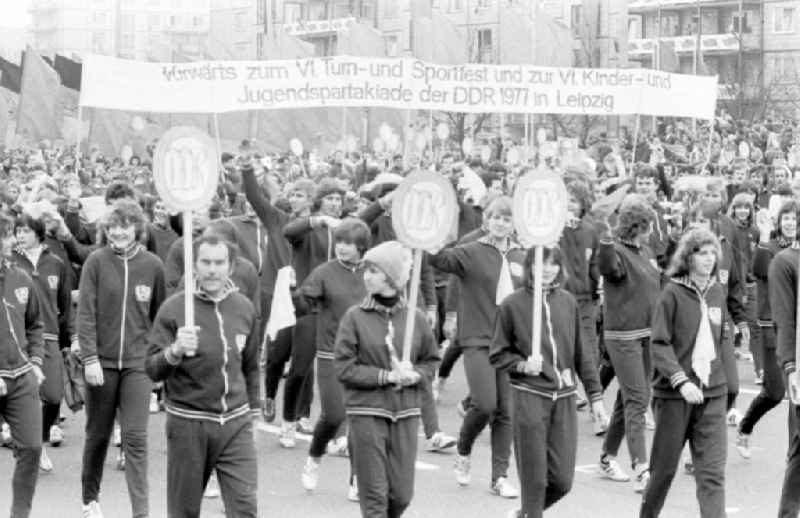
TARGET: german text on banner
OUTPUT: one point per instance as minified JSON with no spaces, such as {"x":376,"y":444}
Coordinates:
{"x":402,"y":83}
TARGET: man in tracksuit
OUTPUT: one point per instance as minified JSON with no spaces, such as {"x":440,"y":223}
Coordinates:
{"x":21,"y":358}
{"x":211,"y":378}
{"x":783,"y":301}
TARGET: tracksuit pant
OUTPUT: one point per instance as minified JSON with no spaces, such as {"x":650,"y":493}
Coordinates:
{"x":129,"y":391}
{"x":489,"y":392}
{"x":632,"y":366}
{"x":449,"y":359}
{"x":705,"y":428}
{"x":279,"y":351}
{"x":299,"y":385}
{"x":21,"y":409}
{"x":587,"y":309}
{"x":545,"y":444}
{"x":332,"y":411}
{"x":755,"y":330}
{"x":196,"y":448}
{"x":729,"y":363}
{"x":790,"y":494}
{"x":52,"y":389}
{"x":384,"y":453}
{"x":772,"y":388}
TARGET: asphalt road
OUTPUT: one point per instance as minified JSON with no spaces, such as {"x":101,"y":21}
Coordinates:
{"x":753,"y":486}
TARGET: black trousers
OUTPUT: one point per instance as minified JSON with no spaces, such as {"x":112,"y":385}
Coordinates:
{"x":197,"y":447}
{"x":772,"y":388}
{"x":704,"y":426}
{"x":297,"y":399}
{"x":299,"y":387}
{"x":545,"y":443}
{"x":790,"y":495}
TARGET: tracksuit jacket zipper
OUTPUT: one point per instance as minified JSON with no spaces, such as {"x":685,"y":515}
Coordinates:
{"x":124,"y":309}
{"x":224,"y":361}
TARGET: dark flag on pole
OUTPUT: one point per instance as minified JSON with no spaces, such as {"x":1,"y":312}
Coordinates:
{"x":11,"y":76}
{"x":69,"y":71}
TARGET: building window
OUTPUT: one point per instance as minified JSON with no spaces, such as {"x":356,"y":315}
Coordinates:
{"x":367,"y":9}
{"x":784,"y":68}
{"x":745,"y":23}
{"x":455,"y":5}
{"x":392,"y":45}
{"x":576,"y":19}
{"x":173,"y":21}
{"x":485,"y":49}
{"x":177,"y":4}
{"x":783,"y":20}
{"x":292,"y":12}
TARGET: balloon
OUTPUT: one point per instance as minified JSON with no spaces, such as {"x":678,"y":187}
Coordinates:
{"x":296,"y":146}
{"x":466,"y":145}
{"x":486,"y":153}
{"x":442,"y":131}
{"x":385,"y":132}
{"x":377,"y":145}
{"x":137,"y":123}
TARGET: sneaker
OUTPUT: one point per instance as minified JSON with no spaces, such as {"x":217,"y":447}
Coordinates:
{"x":117,"y":439}
{"x":338,"y":447}
{"x":92,"y":510}
{"x":734,"y":417}
{"x":121,"y":461}
{"x":743,"y":445}
{"x":439,"y":442}
{"x":287,"y":435}
{"x":746,"y":356}
{"x":352,"y":491}
{"x":304,"y":425}
{"x":44,"y":462}
{"x":310,"y":475}
{"x":5,"y":435}
{"x":514,"y":513}
{"x":269,"y":410}
{"x":154,"y":403}
{"x":611,"y":470}
{"x":502,"y":487}
{"x":641,"y":480}
{"x":581,"y":404}
{"x":56,"y":436}
{"x":461,"y":469}
{"x":212,"y":487}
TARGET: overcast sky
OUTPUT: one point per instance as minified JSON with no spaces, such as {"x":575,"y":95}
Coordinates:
{"x":15,"y":13}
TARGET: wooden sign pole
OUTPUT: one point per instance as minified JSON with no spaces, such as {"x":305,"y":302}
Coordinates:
{"x":188,"y":272}
{"x":412,"y":306}
{"x":794,"y":397}
{"x":538,"y":267}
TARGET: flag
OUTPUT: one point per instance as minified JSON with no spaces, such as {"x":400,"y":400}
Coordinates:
{"x":11,"y":75}
{"x":3,"y":117}
{"x":40,"y":112}
{"x":69,"y":71}
{"x":667,"y":57}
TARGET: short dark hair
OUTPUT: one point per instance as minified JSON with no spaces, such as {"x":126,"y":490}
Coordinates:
{"x":118,"y":191}
{"x":554,"y":254}
{"x":355,"y":231}
{"x":36,"y":225}
{"x":215,"y":240}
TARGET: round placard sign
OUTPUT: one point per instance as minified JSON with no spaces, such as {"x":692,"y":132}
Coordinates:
{"x":185,"y":168}
{"x":540,"y":208}
{"x":424,"y":209}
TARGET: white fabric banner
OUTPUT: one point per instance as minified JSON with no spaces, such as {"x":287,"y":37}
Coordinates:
{"x":402,"y":83}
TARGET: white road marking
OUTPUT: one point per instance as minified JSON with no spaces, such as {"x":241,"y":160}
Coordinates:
{"x":276,"y":430}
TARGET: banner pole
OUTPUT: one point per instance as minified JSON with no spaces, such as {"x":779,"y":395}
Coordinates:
{"x":635,"y":142}
{"x":78,"y":138}
{"x":538,"y":267}
{"x":217,"y":137}
{"x":188,"y":271}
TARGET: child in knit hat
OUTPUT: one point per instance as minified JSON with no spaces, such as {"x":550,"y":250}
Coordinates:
{"x":383,"y":397}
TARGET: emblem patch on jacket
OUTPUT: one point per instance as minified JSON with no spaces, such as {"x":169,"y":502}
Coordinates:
{"x":22,"y":295}
{"x":515,"y":269}
{"x":723,"y":276}
{"x":241,"y":341}
{"x":715,"y":316}
{"x":143,"y":293}
{"x":52,"y":281}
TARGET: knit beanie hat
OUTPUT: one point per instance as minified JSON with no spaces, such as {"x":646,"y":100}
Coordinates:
{"x":394,"y":260}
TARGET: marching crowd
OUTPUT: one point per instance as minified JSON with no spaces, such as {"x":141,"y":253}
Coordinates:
{"x":679,"y":256}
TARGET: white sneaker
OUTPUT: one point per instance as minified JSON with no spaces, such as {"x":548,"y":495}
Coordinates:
{"x":743,"y":445}
{"x":439,"y":442}
{"x":5,"y":435}
{"x":688,"y":463}
{"x":304,"y":425}
{"x":503,"y":487}
{"x":117,"y":436}
{"x":310,"y":475}
{"x":641,"y":480}
{"x":461,"y":469}
{"x":352,"y":491}
{"x":338,"y":447}
{"x":599,"y":426}
{"x":514,"y":513}
{"x":212,"y":488}
{"x":287,"y":435}
{"x":44,"y":462}
{"x":92,"y":510}
{"x":611,"y":470}
{"x":154,"y":403}
{"x":734,"y":417}
{"x":56,"y":436}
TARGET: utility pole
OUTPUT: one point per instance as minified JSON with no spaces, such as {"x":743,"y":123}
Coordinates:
{"x":740,"y":60}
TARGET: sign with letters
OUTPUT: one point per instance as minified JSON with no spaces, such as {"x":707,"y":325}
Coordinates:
{"x":540,"y":208}
{"x":424,"y":209}
{"x":185,"y":168}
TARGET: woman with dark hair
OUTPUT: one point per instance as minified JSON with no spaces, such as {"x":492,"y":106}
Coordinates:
{"x":543,"y":395}
{"x":121,"y":288}
{"x":329,"y":291}
{"x":689,"y":394}
{"x":53,"y":281}
{"x":631,"y":284}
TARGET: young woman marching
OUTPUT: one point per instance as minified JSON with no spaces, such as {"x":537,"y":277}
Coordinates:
{"x":771,"y":242}
{"x":329,"y":291}
{"x":53,"y":281}
{"x":489,"y":270}
{"x":122,"y":286}
{"x":690,"y":393}
{"x":382,"y":397}
{"x":631,"y":285}
{"x":544,"y":417}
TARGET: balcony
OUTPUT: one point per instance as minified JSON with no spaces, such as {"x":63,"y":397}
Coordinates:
{"x":719,"y":44}
{"x":318,"y":27}
{"x":643,"y":6}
